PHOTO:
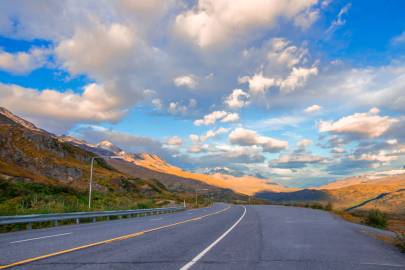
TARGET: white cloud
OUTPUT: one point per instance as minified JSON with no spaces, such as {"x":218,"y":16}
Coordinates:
{"x":198,"y":145}
{"x":97,"y":50}
{"x":189,"y":81}
{"x":177,"y":108}
{"x":304,"y":143}
{"x":258,"y":84}
{"x":230,"y":117}
{"x":392,"y":141}
{"x":23,"y":62}
{"x":381,"y":157}
{"x":213,"y":133}
{"x":157,"y":103}
{"x":95,"y":104}
{"x":214,"y":22}
{"x":312,"y":108}
{"x":174,"y":141}
{"x":277,"y":123}
{"x":296,"y":161}
{"x":307,"y":18}
{"x":215,"y":116}
{"x":338,"y":150}
{"x":237,"y":99}
{"x":246,"y":137}
{"x":367,"y":124}
{"x":297,"y":78}
{"x":339,"y":21}
{"x":282,"y":53}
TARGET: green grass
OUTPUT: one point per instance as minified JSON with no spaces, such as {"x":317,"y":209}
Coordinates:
{"x":17,"y":198}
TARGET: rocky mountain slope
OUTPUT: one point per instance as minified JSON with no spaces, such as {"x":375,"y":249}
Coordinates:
{"x":31,"y":158}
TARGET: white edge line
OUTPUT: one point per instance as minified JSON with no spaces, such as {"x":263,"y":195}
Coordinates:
{"x":42,"y":237}
{"x":205,"y":251}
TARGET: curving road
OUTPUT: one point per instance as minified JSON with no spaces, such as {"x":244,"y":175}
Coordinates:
{"x":218,"y":237}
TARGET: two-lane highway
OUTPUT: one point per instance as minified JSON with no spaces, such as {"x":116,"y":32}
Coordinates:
{"x":218,"y":237}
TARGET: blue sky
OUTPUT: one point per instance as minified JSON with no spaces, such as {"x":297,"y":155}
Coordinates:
{"x":299,"y":92}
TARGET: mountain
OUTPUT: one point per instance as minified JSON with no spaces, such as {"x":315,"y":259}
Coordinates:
{"x":151,"y":166}
{"x":39,"y":170}
{"x":106,"y":145}
{"x":10,"y":118}
{"x":243,"y":184}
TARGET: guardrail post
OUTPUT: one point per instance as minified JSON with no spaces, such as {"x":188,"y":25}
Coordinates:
{"x":94,"y":219}
{"x":55,"y":223}
{"x":29,"y":226}
{"x":77,"y":220}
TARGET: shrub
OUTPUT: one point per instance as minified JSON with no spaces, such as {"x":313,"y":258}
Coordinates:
{"x":376,"y":219}
{"x":400,"y":242}
{"x":329,"y":207}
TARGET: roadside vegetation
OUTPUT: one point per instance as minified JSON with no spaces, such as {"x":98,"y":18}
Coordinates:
{"x":400,"y":242}
{"x":376,"y":218}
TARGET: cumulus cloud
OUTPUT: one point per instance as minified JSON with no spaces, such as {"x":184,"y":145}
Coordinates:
{"x":297,"y":78}
{"x":208,"y":135}
{"x":259,"y":84}
{"x":307,"y":18}
{"x":174,"y":141}
{"x":189,"y":81}
{"x":237,"y":99}
{"x":246,"y":137}
{"x":223,"y":155}
{"x":381,"y":157}
{"x":157,"y":103}
{"x":98,"y":49}
{"x":66,"y":108}
{"x":23,"y":62}
{"x":312,"y":108}
{"x":304,"y":143}
{"x":214,"y":22}
{"x":177,"y":107}
{"x":296,"y":161}
{"x":198,"y":142}
{"x":368,"y":124}
{"x":215,"y":116}
{"x":281,"y":52}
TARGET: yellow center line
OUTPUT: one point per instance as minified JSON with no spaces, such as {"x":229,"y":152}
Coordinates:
{"x":128,"y":236}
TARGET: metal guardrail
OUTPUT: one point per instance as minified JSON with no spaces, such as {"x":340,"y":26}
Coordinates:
{"x":77,"y":216}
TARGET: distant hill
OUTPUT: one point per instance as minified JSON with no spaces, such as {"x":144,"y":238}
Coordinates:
{"x":382,"y":190}
{"x":385,"y":193}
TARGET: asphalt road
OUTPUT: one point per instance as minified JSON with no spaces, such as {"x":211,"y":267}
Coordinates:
{"x":219,"y":237}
